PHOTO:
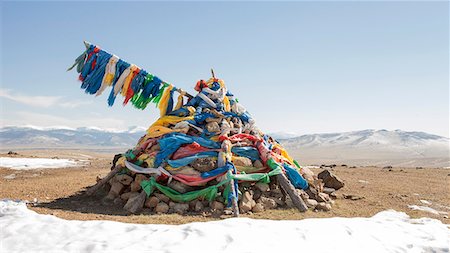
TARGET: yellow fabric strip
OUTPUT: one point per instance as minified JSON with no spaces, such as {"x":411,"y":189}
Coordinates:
{"x":226,"y":104}
{"x":165,"y":100}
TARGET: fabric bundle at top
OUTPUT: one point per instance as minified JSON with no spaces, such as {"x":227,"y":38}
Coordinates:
{"x":99,"y":69}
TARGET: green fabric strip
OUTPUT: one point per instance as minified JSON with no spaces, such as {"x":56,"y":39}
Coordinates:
{"x":208,"y":193}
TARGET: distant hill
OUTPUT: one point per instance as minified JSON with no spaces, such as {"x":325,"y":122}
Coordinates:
{"x":366,"y":147}
{"x":85,"y":137}
{"x":370,"y":147}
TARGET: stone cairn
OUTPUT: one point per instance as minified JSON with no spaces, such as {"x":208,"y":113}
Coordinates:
{"x":202,"y":159}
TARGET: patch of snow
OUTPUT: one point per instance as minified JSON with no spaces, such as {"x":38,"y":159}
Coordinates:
{"x":426,"y":202}
{"x":426,"y":209}
{"x":10,"y":176}
{"x":388,"y":231}
{"x":35,"y":163}
{"x":311,"y":167}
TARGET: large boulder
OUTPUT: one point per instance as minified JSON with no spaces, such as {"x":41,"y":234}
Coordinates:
{"x":330,"y":180}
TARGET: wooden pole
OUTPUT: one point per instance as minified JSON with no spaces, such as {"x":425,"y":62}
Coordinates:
{"x":86,"y":44}
{"x":290,"y":189}
{"x":212,"y":73}
{"x":226,"y":150}
{"x":103,"y":181}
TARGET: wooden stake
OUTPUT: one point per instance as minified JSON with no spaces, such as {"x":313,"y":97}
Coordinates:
{"x":103,"y":181}
{"x":86,"y":44}
{"x":226,"y":148}
{"x":290,"y":189}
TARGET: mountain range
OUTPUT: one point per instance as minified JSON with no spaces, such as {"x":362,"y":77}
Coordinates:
{"x":366,"y":147}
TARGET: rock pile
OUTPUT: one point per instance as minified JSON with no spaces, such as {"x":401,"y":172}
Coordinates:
{"x":124,"y":190}
{"x":208,"y":156}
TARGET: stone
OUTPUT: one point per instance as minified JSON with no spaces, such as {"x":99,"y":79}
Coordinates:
{"x":128,"y":195}
{"x":180,"y":208}
{"x":247,"y":202}
{"x":151,"y":202}
{"x":323,"y":196}
{"x":312,"y":193}
{"x":179,"y":187}
{"x":109,"y":197}
{"x":258,"y":208}
{"x":216,"y":205}
{"x":353,"y":197}
{"x":162,"y":207}
{"x":198,"y":206}
{"x":330,"y":180}
{"x":116,"y":189}
{"x":213,"y":127}
{"x":136,"y":184}
{"x":204,"y":164}
{"x":328,"y":190}
{"x":242,"y":161}
{"x":171,"y":204}
{"x":134,"y":202}
{"x":162,"y":197}
{"x":119,"y":201}
{"x":279,"y":201}
{"x":333,"y":195}
{"x":268,"y":203}
{"x":307,"y":174}
{"x":262,"y":187}
{"x":323,"y":207}
{"x":257,"y":194}
{"x":311,"y":203}
{"x":302,"y":194}
{"x":124,"y":179}
{"x":258,"y":164}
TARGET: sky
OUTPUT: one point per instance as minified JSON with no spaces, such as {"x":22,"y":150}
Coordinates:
{"x":299,"y":67}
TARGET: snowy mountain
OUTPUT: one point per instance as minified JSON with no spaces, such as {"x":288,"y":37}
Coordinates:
{"x":92,"y":137}
{"x":366,"y":147}
{"x":379,"y":147}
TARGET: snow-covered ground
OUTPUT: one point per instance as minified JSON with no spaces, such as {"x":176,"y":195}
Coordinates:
{"x":426,"y":209}
{"x":23,"y":230}
{"x":35,"y":163}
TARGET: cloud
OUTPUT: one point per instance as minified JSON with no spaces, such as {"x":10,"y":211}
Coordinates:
{"x":41,"y":101}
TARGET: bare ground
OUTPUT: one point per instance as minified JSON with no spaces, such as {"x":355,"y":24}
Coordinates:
{"x":59,"y":192}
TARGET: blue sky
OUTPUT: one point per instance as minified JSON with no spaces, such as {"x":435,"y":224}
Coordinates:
{"x":302,"y":67}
